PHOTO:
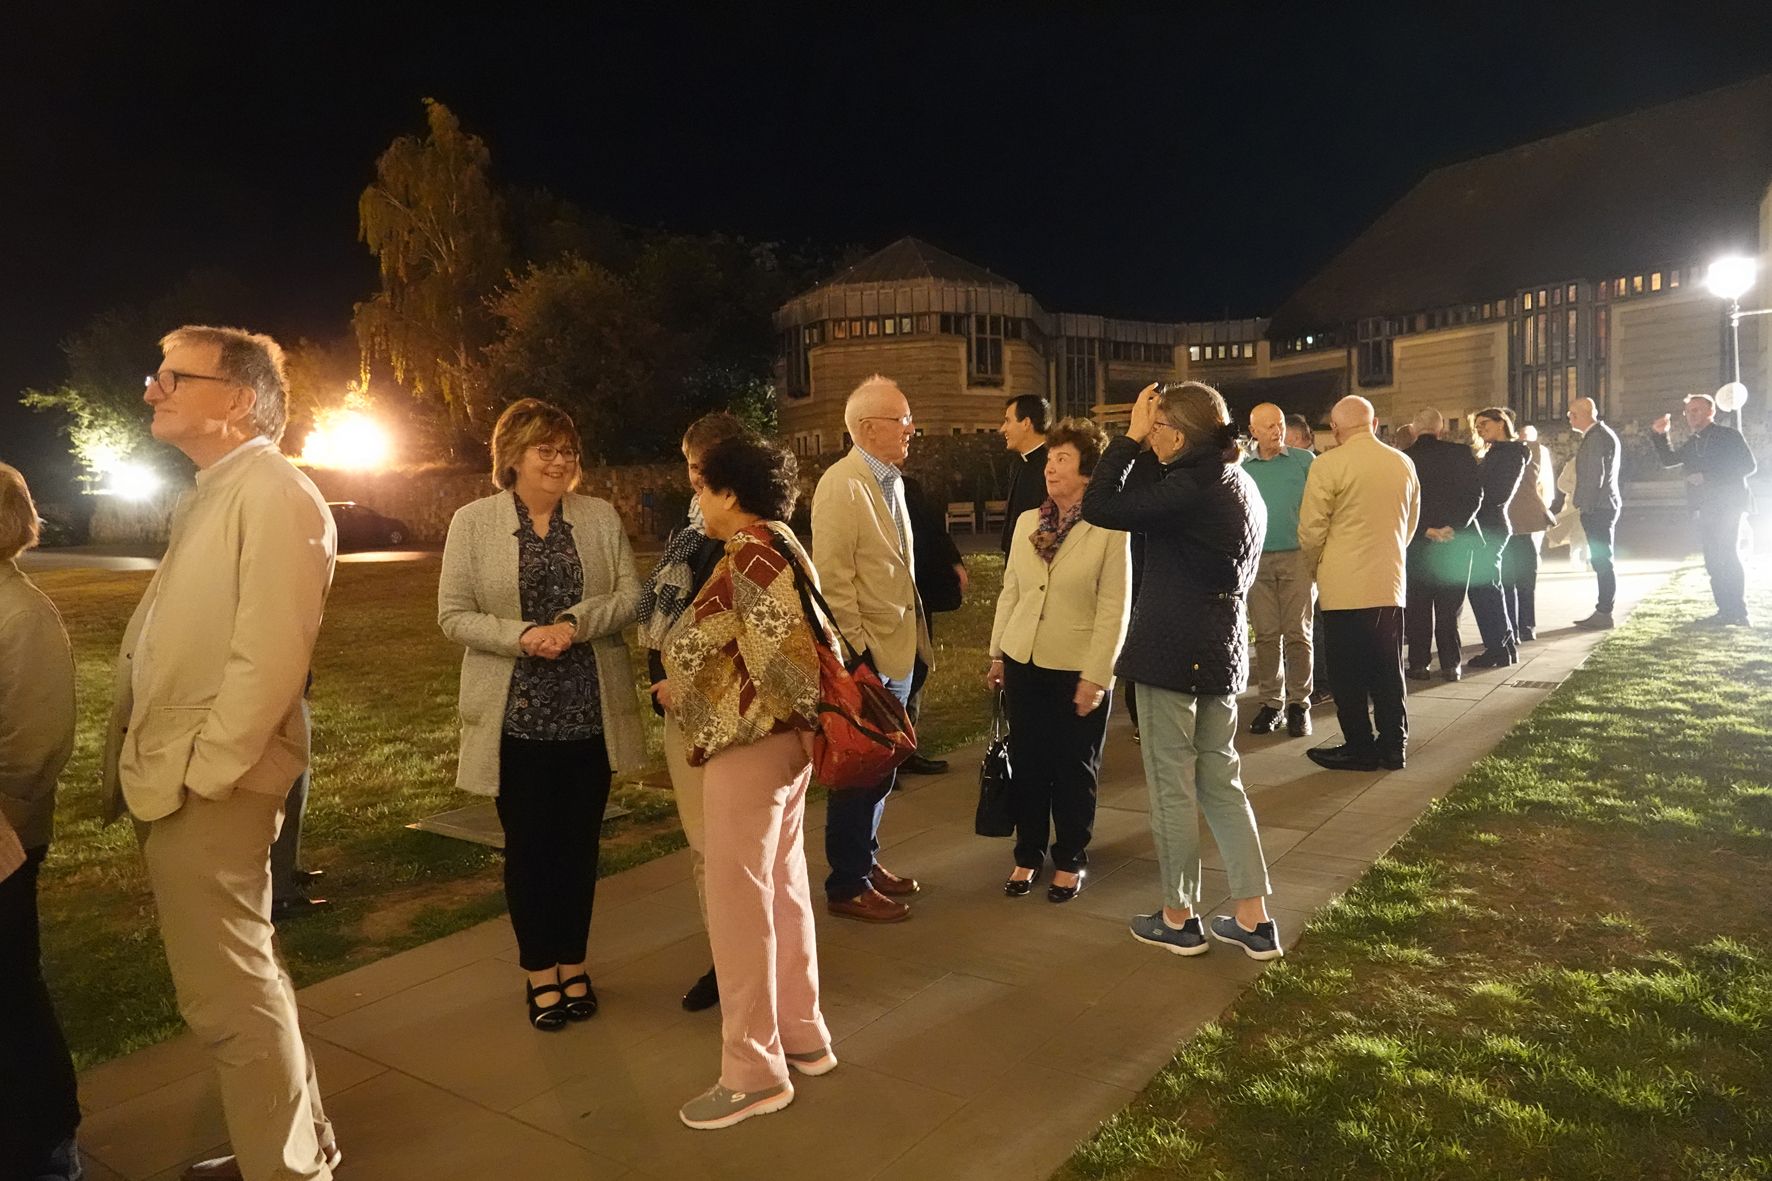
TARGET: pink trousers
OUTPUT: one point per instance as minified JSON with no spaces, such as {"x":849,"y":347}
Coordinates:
{"x":760,"y":910}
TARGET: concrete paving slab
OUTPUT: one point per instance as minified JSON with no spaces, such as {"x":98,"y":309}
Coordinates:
{"x":983,"y":1038}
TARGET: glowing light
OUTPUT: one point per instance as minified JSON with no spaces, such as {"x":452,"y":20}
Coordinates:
{"x":1730,"y":277}
{"x":132,"y":481}
{"x":347,"y":440}
{"x":1731,"y":396}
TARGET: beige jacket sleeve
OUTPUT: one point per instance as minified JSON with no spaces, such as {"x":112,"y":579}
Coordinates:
{"x":458,"y":601}
{"x":36,"y":717}
{"x":1313,"y":514}
{"x":285,"y":570}
{"x":835,"y":524}
{"x":1113,"y":609}
{"x":1006,"y":601}
{"x":604,"y":615}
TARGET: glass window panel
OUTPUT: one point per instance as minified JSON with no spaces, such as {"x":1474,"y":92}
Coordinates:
{"x":855,"y":328}
{"x":891,"y":326}
{"x":1528,"y":300}
{"x":1557,"y":295}
{"x":1541,"y":295}
{"x":1543,"y":392}
{"x":1556,"y":404}
{"x":1571,"y":293}
{"x":1636,"y":284}
{"x":842,"y":327}
{"x":1602,"y":317}
{"x":873,"y":326}
{"x":1556,"y":338}
{"x":1531,"y":349}
{"x":1569,"y":330}
{"x":1673,"y":277}
{"x":1655,"y":281}
{"x":1618,"y":288}
{"x":1569,"y":385}
{"x":1193,"y":352}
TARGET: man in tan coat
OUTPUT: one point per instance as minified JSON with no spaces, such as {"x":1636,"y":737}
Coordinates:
{"x":1361,"y":501}
{"x":862,"y":547}
{"x":208,"y":732}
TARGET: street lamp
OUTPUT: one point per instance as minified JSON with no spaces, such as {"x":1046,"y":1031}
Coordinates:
{"x":1730,"y":278}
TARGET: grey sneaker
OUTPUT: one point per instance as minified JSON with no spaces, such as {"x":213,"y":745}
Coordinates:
{"x":820,"y":1061}
{"x":1598,"y":621}
{"x":1263,"y":943}
{"x":718,"y":1107}
{"x":1187,"y":940}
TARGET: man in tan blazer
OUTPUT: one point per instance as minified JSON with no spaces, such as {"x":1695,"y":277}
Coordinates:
{"x":208,"y":732}
{"x":862,"y":547}
{"x":1361,"y":501}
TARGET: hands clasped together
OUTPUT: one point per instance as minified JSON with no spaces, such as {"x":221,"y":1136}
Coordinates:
{"x":548,"y":641}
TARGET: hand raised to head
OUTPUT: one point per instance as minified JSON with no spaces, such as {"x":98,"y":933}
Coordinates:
{"x":1144,"y":414}
{"x":1659,"y":426}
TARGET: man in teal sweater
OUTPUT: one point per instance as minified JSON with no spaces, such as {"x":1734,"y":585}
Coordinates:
{"x":1280,"y":601}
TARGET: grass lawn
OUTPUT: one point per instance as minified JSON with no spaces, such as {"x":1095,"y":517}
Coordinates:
{"x":384,"y":755}
{"x":1563,"y":971}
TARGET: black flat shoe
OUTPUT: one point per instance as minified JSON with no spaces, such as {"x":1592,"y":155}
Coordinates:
{"x":1017,"y":889}
{"x":579,"y":1008}
{"x":1341,"y":758}
{"x":1455,"y":673}
{"x":1418,"y":673}
{"x":703,"y":994}
{"x":1058,"y":893}
{"x":547,"y":1018}
{"x":1492,"y":658}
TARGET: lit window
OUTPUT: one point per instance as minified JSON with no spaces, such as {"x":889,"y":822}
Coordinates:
{"x":873,"y":326}
{"x":891,"y":325}
{"x":1528,"y":300}
{"x":1636,"y":285}
{"x":1571,"y":293}
{"x":1618,"y":288}
{"x":1673,"y":277}
{"x":1655,"y":281}
{"x":1193,"y":352}
{"x":1310,"y":340}
{"x":904,"y":325}
{"x":840,"y":329}
{"x":855,"y":327}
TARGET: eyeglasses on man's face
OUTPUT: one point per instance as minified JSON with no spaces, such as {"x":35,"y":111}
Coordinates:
{"x":168,"y":379}
{"x":548,"y":453}
{"x":906,"y":421}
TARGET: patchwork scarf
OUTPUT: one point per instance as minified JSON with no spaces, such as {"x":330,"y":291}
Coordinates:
{"x":665,"y":596}
{"x":1054,"y":528}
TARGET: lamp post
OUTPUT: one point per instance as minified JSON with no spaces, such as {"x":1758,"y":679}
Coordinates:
{"x":1730,"y":278}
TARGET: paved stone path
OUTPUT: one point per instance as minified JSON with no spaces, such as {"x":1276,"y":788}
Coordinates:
{"x":983,"y":1039}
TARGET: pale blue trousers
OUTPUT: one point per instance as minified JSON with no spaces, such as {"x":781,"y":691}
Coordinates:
{"x":1191,"y":768}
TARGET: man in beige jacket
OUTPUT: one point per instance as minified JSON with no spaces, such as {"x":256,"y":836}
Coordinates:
{"x":1361,"y":501}
{"x":207,"y":734}
{"x":862,"y":547}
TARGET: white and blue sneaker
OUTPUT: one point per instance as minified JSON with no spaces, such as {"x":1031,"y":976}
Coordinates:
{"x":1263,"y":943}
{"x":1186,"y":939}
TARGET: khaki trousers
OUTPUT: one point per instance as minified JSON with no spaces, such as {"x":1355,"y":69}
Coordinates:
{"x":686,"y":783}
{"x":210,"y":869}
{"x":760,"y":910}
{"x":1280,"y":612}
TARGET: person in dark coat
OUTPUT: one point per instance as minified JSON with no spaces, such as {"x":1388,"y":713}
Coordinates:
{"x":1597,"y":463}
{"x":1502,"y":467}
{"x":1717,"y":462}
{"x":1188,"y":648}
{"x":1439,"y":559}
{"x":1024,"y":432}
{"x":1145,"y":472}
{"x":941,"y":581}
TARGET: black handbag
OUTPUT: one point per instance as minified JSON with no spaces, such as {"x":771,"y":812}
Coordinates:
{"x":996,"y":816}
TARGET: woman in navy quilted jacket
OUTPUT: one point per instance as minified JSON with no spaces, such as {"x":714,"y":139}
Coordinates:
{"x":1187,"y":648}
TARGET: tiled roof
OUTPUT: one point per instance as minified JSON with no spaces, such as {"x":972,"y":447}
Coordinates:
{"x":913,"y":258}
{"x":1672,"y":184}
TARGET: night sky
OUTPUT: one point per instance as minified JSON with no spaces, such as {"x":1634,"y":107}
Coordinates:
{"x":1113,"y":159}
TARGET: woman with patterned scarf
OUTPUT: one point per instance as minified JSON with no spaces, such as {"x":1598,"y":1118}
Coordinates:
{"x":1060,"y":622}
{"x":682,"y":570}
{"x":743,"y":666}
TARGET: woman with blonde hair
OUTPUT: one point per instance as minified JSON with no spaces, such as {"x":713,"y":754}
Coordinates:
{"x":538,"y":583}
{"x":1502,"y":467}
{"x":39,"y":1110}
{"x":682,"y":570}
{"x":1061,"y":618}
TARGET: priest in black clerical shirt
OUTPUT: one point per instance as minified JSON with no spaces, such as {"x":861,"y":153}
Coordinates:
{"x":1024,"y":430}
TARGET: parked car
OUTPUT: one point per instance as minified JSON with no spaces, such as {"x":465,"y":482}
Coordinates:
{"x":363,"y":528}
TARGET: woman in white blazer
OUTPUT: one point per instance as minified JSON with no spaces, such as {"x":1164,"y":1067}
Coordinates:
{"x":537,"y":585}
{"x":1060,"y":622}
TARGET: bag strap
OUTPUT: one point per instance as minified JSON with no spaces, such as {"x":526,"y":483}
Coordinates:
{"x":809,"y":593}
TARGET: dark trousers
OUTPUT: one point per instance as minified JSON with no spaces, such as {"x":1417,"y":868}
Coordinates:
{"x":1319,"y":651}
{"x":1519,"y":580}
{"x":1056,"y":757}
{"x":852,"y":826}
{"x":287,"y":847}
{"x":1437,"y":571}
{"x":1601,"y":528}
{"x":551,"y":797}
{"x":1719,"y":531}
{"x":1366,"y":656}
{"x":1129,"y":694}
{"x":38,"y":1107}
{"x":1487,"y":603}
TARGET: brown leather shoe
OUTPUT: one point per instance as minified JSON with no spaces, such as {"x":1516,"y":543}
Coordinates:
{"x":227,"y":1168}
{"x":890,"y":884}
{"x":870,"y":906}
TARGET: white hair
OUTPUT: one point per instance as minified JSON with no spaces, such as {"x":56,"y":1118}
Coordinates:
{"x":865,"y":397}
{"x":1429,"y":421}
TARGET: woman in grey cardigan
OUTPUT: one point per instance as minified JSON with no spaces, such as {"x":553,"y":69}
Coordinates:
{"x":537,"y":585}
{"x":38,"y":1108}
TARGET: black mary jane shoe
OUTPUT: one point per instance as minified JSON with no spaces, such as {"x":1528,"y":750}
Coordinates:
{"x":579,"y":1008}
{"x":548,"y":1018}
{"x":1020,"y":889}
{"x":1058,"y":893}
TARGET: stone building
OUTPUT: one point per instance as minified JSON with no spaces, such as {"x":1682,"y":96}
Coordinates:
{"x":1572,"y":266}
{"x":961,"y":340}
